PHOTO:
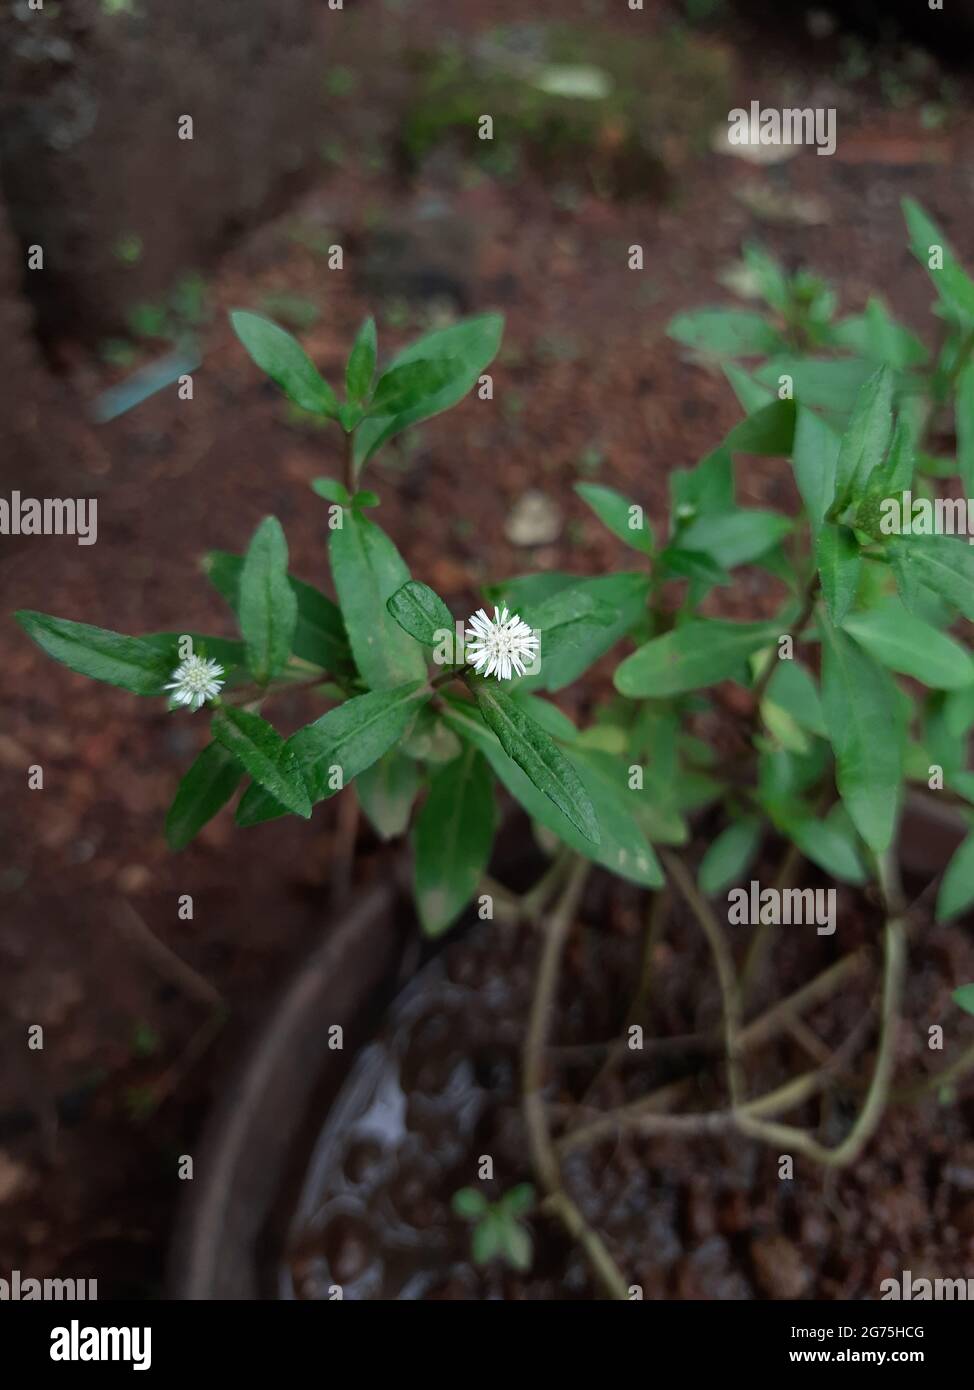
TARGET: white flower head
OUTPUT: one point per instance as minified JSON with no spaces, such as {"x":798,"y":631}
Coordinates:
{"x":501,"y":647}
{"x":195,"y":681}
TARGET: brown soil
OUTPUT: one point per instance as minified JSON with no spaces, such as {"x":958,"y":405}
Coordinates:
{"x":708,"y":1218}
{"x":91,"y":1128}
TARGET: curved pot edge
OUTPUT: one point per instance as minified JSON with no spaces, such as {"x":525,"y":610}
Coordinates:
{"x":241,"y":1156}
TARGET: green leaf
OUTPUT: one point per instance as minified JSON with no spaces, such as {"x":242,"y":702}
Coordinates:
{"x":814,"y":458}
{"x":792,"y":688}
{"x":577,"y":630}
{"x":421,"y":612}
{"x":470,"y":345}
{"x":386,"y":792}
{"x":878,"y":336}
{"x":839,"y":562}
{"x":367,"y":570}
{"x":730,"y":856}
{"x":943,"y":563}
{"x":726,"y":333}
{"x":349,"y":738}
{"x":907,"y":644}
{"x":226,"y":650}
{"x":770,"y":430}
{"x":265,"y":755}
{"x":963,"y":997}
{"x":865,"y":442}
{"x":360,"y":368}
{"x":624,"y":848}
{"x":412,"y":386}
{"x":332,"y":491}
{"x":623,"y":518}
{"x":535,"y":754}
{"x":130,"y":662}
{"x":751,"y":396}
{"x":706,"y":490}
{"x":964,"y":420}
{"x":516,"y":1246}
{"x":953,"y":285}
{"x":859,"y":700}
{"x":700,"y":569}
{"x":957,"y":888}
{"x":631,"y":858}
{"x":268,"y":609}
{"x":549,"y":716}
{"x":737,"y":537}
{"x":831,"y":383}
{"x":453,"y":839}
{"x":698,"y":654}
{"x":829,"y":845}
{"x":488,"y":1239}
{"x":518,"y":1200}
{"x":285,"y":362}
{"x":468,"y":1203}
{"x":319,"y":636}
{"x":206,"y":787}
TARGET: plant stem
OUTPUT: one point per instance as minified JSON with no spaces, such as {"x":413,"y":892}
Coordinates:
{"x":761,"y":1030}
{"x":794,"y":632}
{"x":724,"y":962}
{"x":544,"y":1157}
{"x":348,"y":470}
{"x":894,"y":941}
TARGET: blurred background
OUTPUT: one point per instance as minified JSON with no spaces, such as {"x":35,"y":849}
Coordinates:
{"x":315,"y":128}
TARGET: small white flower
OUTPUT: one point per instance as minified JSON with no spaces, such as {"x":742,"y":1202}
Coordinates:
{"x":195,"y":681}
{"x":502,"y":647}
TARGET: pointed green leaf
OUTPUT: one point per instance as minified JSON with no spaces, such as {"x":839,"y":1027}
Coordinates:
{"x":698,"y":654}
{"x":963,"y":997}
{"x":130,"y":662}
{"x":631,"y":857}
{"x":264,"y":754}
{"x":319,"y":635}
{"x":454,"y":835}
{"x":729,"y":856}
{"x":726,"y":333}
{"x":905,"y":643}
{"x":737,"y":537}
{"x":285,"y":362}
{"x":268,"y":609}
{"x":828,"y":844}
{"x":839,"y":562}
{"x":530,"y":747}
{"x":859,"y":700}
{"x":367,"y":569}
{"x":470,"y":344}
{"x":361,"y":362}
{"x":205,"y":789}
{"x":957,"y":889}
{"x":421,"y":612}
{"x":867,"y":438}
{"x":386,"y":792}
{"x":770,"y":430}
{"x":333,"y":750}
{"x":468,"y":1203}
{"x":943,"y":563}
{"x":814,"y":459}
{"x":623,"y":518}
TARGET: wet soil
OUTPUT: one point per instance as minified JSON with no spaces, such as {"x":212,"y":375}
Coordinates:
{"x":438,"y":1091}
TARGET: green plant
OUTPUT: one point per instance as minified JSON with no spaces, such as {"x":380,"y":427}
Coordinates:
{"x":858,"y":691}
{"x":497,"y":1229}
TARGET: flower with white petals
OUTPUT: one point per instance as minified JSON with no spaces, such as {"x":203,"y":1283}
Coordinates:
{"x":195,"y":681}
{"x":501,"y":647}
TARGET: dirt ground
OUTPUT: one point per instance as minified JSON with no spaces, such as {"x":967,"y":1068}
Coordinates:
{"x":587,"y":385}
